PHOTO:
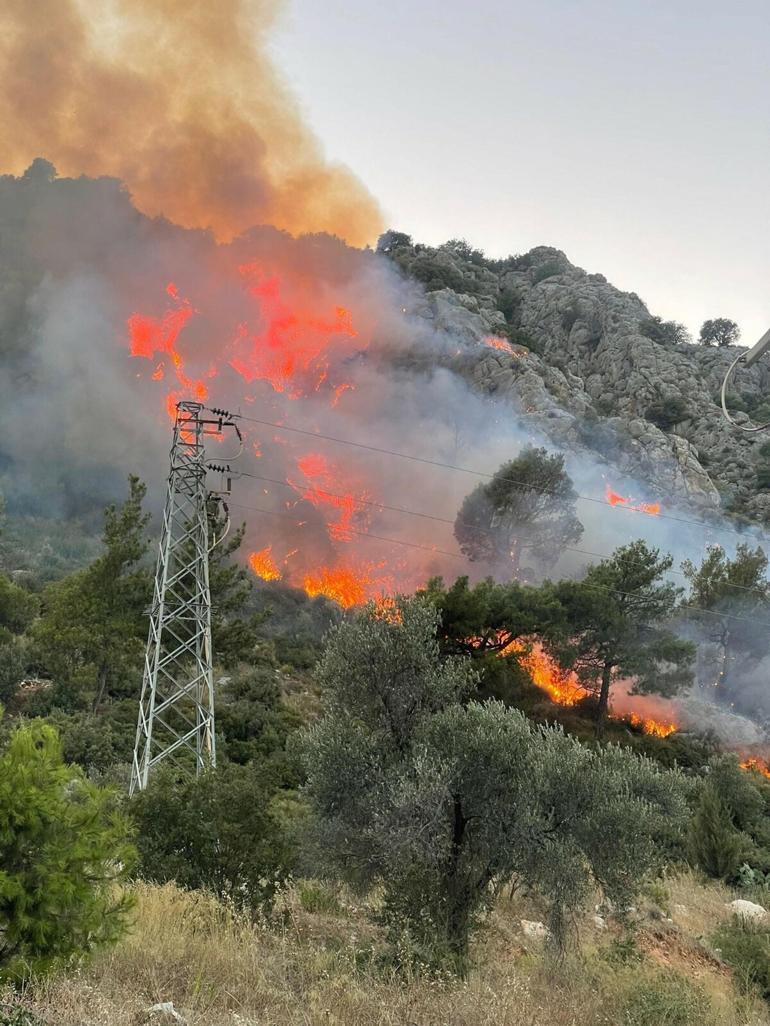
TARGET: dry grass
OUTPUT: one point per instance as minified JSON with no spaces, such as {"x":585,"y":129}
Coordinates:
{"x":322,"y":967}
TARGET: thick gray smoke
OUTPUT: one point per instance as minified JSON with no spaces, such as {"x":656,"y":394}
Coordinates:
{"x":305,"y":332}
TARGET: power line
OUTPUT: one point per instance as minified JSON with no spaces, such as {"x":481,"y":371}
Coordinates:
{"x":457,"y":555}
{"x":445,"y":520}
{"x":475,"y":473}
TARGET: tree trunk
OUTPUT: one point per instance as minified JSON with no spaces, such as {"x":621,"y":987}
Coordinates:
{"x":604,"y":699}
{"x":457,"y":911}
{"x":101,"y":686}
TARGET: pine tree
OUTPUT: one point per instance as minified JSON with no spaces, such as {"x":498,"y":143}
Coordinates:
{"x":716,"y":846}
{"x":63,"y":845}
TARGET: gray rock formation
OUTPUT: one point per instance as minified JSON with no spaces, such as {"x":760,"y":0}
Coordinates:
{"x":579,"y":364}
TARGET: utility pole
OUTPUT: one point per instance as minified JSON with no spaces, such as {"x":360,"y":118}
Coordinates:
{"x":176,"y":708}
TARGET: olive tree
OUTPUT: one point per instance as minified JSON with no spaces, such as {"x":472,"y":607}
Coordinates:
{"x":435,"y":799}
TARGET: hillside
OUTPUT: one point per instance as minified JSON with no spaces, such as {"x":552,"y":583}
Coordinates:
{"x":321,"y":961}
{"x":586,"y":370}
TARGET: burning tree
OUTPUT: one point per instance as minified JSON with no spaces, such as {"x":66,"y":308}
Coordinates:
{"x":618,"y":615}
{"x":434,"y":798}
{"x":527,"y":507}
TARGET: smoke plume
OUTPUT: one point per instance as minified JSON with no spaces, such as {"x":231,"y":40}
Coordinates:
{"x":179,"y":99}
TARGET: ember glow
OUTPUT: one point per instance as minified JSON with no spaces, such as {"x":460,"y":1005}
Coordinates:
{"x":615,"y":499}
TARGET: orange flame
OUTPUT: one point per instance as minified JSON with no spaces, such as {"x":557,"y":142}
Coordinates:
{"x":616,"y":499}
{"x":150,"y":335}
{"x":650,"y":726}
{"x":341,"y":584}
{"x":757,"y":765}
{"x":560,"y":685}
{"x":563,"y":686}
{"x":316,"y":468}
{"x":500,"y":343}
{"x":263,"y":564}
{"x":292,"y":346}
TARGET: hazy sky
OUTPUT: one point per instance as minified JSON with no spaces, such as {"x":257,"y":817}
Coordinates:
{"x":632,"y":134}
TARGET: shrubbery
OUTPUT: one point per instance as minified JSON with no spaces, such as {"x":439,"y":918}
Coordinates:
{"x":665,"y":333}
{"x":745,"y":946}
{"x":219,"y":832}
{"x":666,"y":413}
{"x":63,"y":846}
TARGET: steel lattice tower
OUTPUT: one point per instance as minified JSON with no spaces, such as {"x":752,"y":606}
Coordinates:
{"x":176,"y":708}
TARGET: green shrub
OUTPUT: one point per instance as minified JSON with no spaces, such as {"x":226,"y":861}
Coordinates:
{"x":664,"y":998}
{"x":745,"y":946}
{"x":63,"y":845}
{"x":665,"y":333}
{"x":665,"y":413}
{"x":315,"y":896}
{"x":716,"y":846}
{"x":15,"y":1015}
{"x":217,"y":832}
{"x":547,"y":270}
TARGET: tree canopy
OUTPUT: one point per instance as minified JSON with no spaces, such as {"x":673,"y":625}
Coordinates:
{"x":63,"y":845}
{"x":719,"y":332}
{"x":90,"y":635}
{"x":526,"y":510}
{"x":434,"y":798}
{"x":618,"y":617}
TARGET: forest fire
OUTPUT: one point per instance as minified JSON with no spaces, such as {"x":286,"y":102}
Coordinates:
{"x":563,"y":687}
{"x":323,"y":490}
{"x":290,"y":350}
{"x":650,"y":726}
{"x":263,"y":564}
{"x":493,"y":342}
{"x":756,"y":765}
{"x":615,"y":499}
{"x":560,"y":685}
{"x":343,"y":584}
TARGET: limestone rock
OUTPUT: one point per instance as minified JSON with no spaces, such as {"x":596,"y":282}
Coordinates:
{"x":164,"y":1014}
{"x":534,"y":930}
{"x":748,"y":910}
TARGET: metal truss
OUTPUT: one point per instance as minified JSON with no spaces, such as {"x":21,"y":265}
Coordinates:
{"x":176,"y":708}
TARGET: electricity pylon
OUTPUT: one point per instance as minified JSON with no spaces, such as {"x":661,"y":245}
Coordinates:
{"x":176,"y":708}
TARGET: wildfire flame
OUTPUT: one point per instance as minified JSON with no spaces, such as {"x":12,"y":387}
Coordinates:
{"x":650,"y":726}
{"x":615,"y":499}
{"x":757,"y":765}
{"x":563,"y":687}
{"x":323,"y":490}
{"x":493,"y":342}
{"x":263,"y":564}
{"x":290,"y":350}
{"x":343,"y":584}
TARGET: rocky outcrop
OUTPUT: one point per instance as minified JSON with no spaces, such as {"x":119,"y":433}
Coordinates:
{"x":582,"y":366}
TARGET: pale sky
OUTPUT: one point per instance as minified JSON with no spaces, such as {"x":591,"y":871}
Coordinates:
{"x":632,"y":134}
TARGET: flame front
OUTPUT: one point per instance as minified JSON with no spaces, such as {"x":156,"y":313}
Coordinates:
{"x":757,"y":765}
{"x":347,"y":585}
{"x":263,"y":564}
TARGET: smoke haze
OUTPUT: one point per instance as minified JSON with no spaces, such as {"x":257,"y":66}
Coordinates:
{"x":180,"y":100}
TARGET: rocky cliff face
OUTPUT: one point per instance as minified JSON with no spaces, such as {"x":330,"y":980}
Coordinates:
{"x":584,"y":369}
